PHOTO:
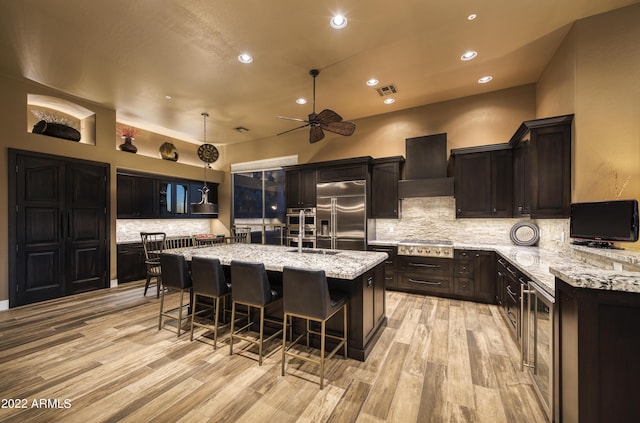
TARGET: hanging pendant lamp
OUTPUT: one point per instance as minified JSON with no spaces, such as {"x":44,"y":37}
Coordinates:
{"x":208,"y":153}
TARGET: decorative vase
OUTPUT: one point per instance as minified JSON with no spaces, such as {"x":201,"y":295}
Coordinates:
{"x":128,"y":146}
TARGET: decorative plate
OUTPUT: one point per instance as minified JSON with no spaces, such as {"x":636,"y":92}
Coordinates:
{"x":208,"y":153}
{"x":525,"y":233}
{"x":168,"y":151}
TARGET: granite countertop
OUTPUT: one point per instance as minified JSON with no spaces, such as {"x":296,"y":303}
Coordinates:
{"x":542,"y":266}
{"x":340,"y":264}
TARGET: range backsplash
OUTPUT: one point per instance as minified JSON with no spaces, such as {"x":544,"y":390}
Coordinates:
{"x":435,"y":218}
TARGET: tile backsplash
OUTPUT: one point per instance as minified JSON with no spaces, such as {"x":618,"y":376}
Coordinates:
{"x":435,"y":218}
{"x":128,"y":230}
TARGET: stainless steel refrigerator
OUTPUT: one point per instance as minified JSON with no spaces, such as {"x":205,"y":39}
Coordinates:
{"x":341,"y":216}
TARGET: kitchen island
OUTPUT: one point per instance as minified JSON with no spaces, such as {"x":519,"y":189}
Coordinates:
{"x":359,"y":275}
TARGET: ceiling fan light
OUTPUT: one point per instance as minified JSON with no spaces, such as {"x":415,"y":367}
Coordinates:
{"x":338,"y":21}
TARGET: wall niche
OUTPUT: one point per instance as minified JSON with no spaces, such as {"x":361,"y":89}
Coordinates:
{"x":59,"y":118}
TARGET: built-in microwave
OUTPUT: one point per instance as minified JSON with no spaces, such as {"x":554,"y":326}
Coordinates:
{"x":306,"y":242}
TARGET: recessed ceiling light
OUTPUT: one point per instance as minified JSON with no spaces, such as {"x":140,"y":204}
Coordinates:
{"x":301,"y":101}
{"x":245,"y":58}
{"x":469,"y":55}
{"x":338,"y":21}
{"x":485,"y":79}
{"x":472,"y":16}
{"x":389,"y":101}
{"x":372,"y":82}
{"x":167,"y":97}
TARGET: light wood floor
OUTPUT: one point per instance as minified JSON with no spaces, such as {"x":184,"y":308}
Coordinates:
{"x":438,"y":360}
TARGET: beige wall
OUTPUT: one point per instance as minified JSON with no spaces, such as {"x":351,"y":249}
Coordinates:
{"x":13,"y":110}
{"x":482,"y":119}
{"x":596,"y":75}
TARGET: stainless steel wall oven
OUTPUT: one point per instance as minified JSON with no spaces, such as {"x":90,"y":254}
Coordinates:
{"x":307,"y":228}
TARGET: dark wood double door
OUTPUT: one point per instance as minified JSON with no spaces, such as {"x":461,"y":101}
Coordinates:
{"x":58,"y":227}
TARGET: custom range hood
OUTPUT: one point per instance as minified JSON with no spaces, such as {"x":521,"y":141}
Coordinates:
{"x":426,"y":168}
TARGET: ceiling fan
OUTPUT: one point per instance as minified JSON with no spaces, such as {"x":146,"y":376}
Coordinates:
{"x":325,"y":120}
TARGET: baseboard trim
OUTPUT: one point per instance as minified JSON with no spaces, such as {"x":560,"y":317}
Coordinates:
{"x":4,"y":305}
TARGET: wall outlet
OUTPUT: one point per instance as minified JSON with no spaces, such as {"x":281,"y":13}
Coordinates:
{"x":391,"y":229}
{"x":617,"y":266}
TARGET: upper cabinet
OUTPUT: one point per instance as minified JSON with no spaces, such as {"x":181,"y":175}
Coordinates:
{"x":147,"y":196}
{"x":542,"y":167}
{"x":483,"y":181}
{"x":385,"y":174}
{"x":300,"y":187}
{"x":136,"y":197}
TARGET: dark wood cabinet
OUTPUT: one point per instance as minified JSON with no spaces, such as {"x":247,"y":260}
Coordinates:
{"x":151,"y":196}
{"x":474,"y":275}
{"x":596,"y":354}
{"x":300,"y":187}
{"x":483,"y":181}
{"x":136,"y":196}
{"x":542,"y":167}
{"x":58,"y":227}
{"x":385,"y":174}
{"x":390,"y":268}
{"x":344,"y":170}
{"x":131,"y":266}
{"x":425,"y":275}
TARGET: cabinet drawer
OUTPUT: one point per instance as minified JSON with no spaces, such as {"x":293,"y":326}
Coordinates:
{"x":463,"y":287}
{"x":464,"y":268}
{"x":426,"y":265}
{"x":419,"y":282}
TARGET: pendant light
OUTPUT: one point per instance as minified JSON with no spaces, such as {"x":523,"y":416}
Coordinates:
{"x":208,"y":154}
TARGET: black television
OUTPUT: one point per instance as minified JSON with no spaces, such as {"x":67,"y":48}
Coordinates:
{"x":604,"y":222}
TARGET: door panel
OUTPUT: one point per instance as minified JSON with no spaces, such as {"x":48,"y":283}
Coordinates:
{"x":350,"y":219}
{"x":39,"y":229}
{"x":86,"y":237}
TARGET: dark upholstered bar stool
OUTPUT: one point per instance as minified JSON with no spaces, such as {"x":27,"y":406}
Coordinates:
{"x":251,"y":288}
{"x":175,"y":275}
{"x":153,"y":244}
{"x":306,"y":295}
{"x":208,"y":281}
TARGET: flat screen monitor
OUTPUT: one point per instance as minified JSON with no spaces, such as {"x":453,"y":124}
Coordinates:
{"x":606,"y":221}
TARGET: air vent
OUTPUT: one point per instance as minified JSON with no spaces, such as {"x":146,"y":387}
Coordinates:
{"x":387,"y":90}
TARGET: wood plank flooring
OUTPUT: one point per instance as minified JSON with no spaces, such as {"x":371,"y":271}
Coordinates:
{"x":438,"y":360}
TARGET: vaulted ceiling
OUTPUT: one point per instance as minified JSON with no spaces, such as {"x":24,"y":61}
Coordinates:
{"x":132,"y":55}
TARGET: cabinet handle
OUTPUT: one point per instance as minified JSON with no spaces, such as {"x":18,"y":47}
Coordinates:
{"x":502,"y":262}
{"x":511,"y":271}
{"x":477,"y":254}
{"x":424,"y":282}
{"x":513,"y":294}
{"x":431,"y":266}
{"x":369,"y":281}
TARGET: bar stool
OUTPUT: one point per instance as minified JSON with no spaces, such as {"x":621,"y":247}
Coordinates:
{"x":251,"y":288}
{"x":175,"y":275}
{"x":306,"y":295}
{"x":208,"y":281}
{"x":153,"y":244}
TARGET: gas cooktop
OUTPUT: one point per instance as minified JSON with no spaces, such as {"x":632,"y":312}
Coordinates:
{"x":425,"y":248}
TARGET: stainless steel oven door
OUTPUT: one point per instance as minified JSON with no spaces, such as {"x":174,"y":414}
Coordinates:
{"x":306,"y":242}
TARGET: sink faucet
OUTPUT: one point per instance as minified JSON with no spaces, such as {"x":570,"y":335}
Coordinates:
{"x":300,"y":230}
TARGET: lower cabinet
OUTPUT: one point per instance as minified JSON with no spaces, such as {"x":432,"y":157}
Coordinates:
{"x":596,"y":360}
{"x":390,"y":268}
{"x":474,"y":275}
{"x":131,"y":266}
{"x":425,"y":275}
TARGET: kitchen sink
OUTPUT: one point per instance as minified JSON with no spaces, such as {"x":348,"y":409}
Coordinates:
{"x":314,"y":251}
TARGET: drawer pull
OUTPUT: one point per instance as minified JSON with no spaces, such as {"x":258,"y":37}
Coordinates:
{"x":431,"y":266}
{"x":511,"y":271}
{"x":513,"y":294}
{"x":424,"y":282}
